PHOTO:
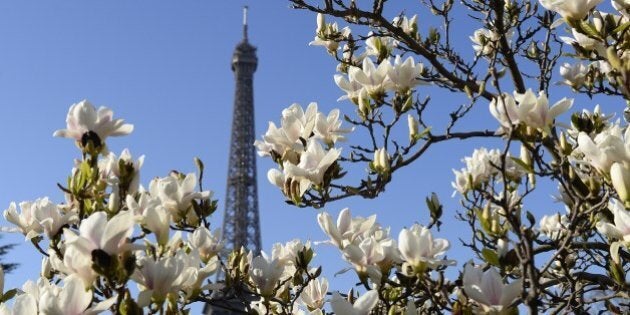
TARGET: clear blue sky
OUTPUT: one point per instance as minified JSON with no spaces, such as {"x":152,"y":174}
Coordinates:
{"x":164,"y":66}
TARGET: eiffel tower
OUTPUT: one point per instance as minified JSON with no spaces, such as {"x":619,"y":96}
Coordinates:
{"x":241,"y":224}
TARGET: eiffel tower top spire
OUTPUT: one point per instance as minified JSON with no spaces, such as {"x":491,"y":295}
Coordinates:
{"x":245,"y":8}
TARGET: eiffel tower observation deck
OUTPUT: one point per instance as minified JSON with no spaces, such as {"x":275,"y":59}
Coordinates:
{"x":241,"y":224}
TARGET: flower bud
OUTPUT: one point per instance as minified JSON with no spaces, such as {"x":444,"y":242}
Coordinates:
{"x":381,"y":161}
{"x":321,"y":22}
{"x":364,"y":106}
{"x":620,"y":177}
{"x":45,"y":271}
{"x":413,"y":128}
{"x":114,"y":202}
{"x":502,"y":247}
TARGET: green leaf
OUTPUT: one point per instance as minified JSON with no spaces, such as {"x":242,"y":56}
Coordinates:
{"x":621,"y":28}
{"x":8,"y":295}
{"x":522,"y":164}
{"x":490,"y":256}
{"x":589,"y":30}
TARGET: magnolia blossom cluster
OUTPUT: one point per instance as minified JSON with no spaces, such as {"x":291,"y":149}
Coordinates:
{"x":373,"y":81}
{"x":488,"y":290}
{"x":527,"y":109}
{"x":329,"y":35}
{"x":371,"y":250}
{"x":595,"y":35}
{"x":570,"y":9}
{"x":486,"y":42}
{"x":481,"y":167}
{"x":304,"y":148}
{"x":608,"y":152}
{"x":96,"y":241}
{"x":619,"y":230}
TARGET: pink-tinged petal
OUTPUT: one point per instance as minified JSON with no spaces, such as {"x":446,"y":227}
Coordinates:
{"x":511,"y":292}
{"x":118,"y":229}
{"x":491,"y":285}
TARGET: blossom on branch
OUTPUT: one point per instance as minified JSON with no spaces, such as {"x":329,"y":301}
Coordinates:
{"x":362,"y":306}
{"x":488,"y":290}
{"x":419,"y":250}
{"x":83,"y":118}
{"x":570,"y":9}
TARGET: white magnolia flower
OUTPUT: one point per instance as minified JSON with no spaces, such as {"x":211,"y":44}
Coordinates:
{"x":314,"y":294}
{"x":379,"y":46}
{"x":574,"y":75}
{"x":206,"y":243}
{"x":538,"y":114}
{"x":347,"y":229}
{"x":83,"y":117}
{"x":485,"y":42}
{"x":480,"y":167}
{"x":404,"y":74}
{"x":113,"y":168}
{"x":51,"y":218}
{"x":72,"y":299}
{"x":554,"y":226}
{"x":351,"y":87}
{"x":177,"y":193}
{"x":96,"y":232}
{"x":202,"y":272}
{"x":328,"y":128}
{"x":26,"y":220}
{"x":157,"y":278}
{"x":585,"y":42}
{"x":531,"y":110}
{"x":265,"y":273}
{"x":158,"y":220}
{"x":287,"y":253}
{"x":373,"y":79}
{"x":296,"y":126}
{"x":487,"y":288}
{"x":329,"y":35}
{"x":365,"y":256}
{"x":314,"y":163}
{"x":408,"y":25}
{"x":621,"y":229}
{"x":39,"y":216}
{"x":608,"y":147}
{"x":418,"y":248}
{"x":362,"y":306}
{"x":572,"y":9}
{"x":76,"y":261}
{"x":140,"y":207}
{"x":28,"y":300}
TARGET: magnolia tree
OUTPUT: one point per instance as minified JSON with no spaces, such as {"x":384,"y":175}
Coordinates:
{"x":116,"y":246}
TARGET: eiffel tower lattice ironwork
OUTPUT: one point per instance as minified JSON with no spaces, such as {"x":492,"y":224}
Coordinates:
{"x":241,"y":224}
